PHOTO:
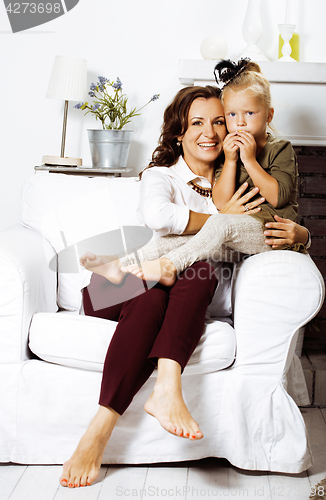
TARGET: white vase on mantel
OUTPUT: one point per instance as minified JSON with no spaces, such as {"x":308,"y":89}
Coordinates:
{"x":252,"y":30}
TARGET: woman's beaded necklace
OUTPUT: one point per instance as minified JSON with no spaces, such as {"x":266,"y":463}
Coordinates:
{"x":206,"y":192}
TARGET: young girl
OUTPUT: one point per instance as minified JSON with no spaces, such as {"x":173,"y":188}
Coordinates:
{"x":251,"y":155}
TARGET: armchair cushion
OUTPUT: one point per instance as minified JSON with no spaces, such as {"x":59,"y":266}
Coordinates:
{"x":79,"y":341}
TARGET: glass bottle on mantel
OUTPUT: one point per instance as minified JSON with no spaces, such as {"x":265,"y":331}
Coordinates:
{"x":295,"y":46}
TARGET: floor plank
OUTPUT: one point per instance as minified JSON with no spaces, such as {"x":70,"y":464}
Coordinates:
{"x":9,"y":477}
{"x":123,"y":482}
{"x":249,"y":484}
{"x":316,"y":426}
{"x":217,"y":478}
{"x":166,"y":481}
{"x":37,"y":483}
{"x":289,"y":486}
{"x":323,"y":412}
{"x":204,"y":482}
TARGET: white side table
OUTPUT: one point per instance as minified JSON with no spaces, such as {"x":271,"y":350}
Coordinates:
{"x":89,"y":171}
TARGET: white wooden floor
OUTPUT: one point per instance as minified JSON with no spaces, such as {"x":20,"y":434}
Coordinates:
{"x":188,"y":481}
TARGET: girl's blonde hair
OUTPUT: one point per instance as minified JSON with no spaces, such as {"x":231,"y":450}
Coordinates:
{"x":252,"y":79}
{"x":244,"y":76}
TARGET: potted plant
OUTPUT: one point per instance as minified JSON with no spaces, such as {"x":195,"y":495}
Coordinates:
{"x":110,"y":145}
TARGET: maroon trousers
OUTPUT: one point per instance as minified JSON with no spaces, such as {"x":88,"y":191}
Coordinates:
{"x":162,"y":322}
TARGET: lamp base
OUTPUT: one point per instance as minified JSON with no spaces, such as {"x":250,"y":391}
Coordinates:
{"x":62,"y":161}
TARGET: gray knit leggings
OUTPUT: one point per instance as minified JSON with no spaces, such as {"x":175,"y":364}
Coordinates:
{"x":223,"y":238}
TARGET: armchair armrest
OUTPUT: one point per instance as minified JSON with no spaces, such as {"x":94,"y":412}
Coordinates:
{"x":27,"y":286}
{"x":275,"y":293}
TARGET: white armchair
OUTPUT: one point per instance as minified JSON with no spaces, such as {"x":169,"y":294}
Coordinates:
{"x":51,"y":356}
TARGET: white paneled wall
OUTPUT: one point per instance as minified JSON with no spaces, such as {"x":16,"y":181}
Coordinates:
{"x":139,"y":41}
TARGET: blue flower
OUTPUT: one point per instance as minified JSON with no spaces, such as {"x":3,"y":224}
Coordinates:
{"x":79,"y":105}
{"x":91,"y":93}
{"x":95,"y":107}
{"x":92,"y":86}
{"x":118,"y":84}
{"x":155,"y":97}
{"x":103,"y":80}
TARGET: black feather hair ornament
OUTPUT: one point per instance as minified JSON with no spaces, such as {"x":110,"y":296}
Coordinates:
{"x":225,"y":71}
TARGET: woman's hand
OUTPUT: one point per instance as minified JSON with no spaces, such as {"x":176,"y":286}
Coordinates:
{"x":239,"y":204}
{"x":285,"y":232}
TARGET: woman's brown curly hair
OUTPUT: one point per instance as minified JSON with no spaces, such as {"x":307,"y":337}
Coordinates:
{"x":175,"y":124}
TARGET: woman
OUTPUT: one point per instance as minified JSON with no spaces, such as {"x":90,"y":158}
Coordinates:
{"x":169,"y":321}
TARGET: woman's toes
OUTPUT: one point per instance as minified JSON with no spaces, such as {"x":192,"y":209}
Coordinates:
{"x":65,"y":476}
{"x":77,"y":482}
{"x":83,"y":481}
{"x":192,"y":433}
{"x":89,"y":480}
{"x":170,"y":427}
{"x":195,"y":435}
{"x":187,"y":433}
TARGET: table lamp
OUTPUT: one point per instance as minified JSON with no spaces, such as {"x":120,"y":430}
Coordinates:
{"x":68,"y":82}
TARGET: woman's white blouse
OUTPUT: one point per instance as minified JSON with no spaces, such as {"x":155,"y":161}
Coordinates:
{"x":166,"y":198}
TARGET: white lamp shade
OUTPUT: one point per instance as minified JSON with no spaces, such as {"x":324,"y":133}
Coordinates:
{"x":68,"y":79}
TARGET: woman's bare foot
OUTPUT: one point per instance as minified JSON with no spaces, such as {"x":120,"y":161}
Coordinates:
{"x":83,"y":467}
{"x":107,"y":266}
{"x":161,"y":270}
{"x":166,"y":404}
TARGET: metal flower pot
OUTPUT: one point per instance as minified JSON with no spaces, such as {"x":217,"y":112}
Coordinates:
{"x":109,"y":148}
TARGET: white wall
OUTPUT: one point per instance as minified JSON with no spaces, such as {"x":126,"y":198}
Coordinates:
{"x":139,"y":41}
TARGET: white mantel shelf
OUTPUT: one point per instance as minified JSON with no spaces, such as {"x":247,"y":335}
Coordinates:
{"x":201,"y":70}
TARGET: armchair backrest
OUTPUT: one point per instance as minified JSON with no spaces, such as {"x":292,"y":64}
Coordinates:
{"x":68,"y":209}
